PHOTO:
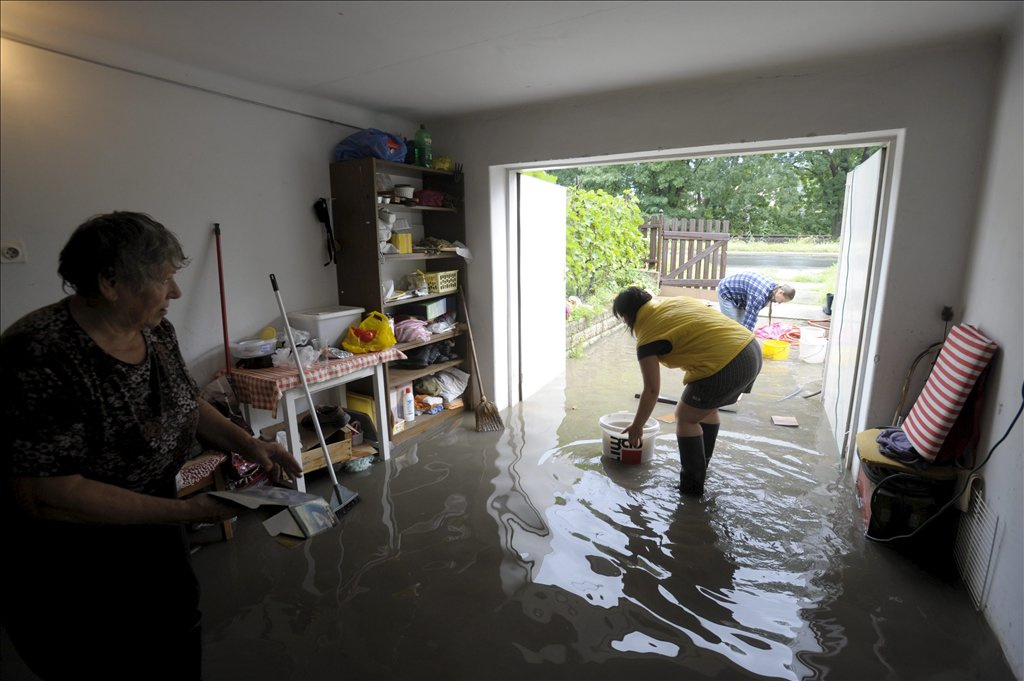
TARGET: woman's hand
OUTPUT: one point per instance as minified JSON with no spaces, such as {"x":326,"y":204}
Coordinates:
{"x":650,"y":370}
{"x":635,"y":434}
{"x":204,"y":508}
{"x":280,"y":465}
{"x":219,"y":433}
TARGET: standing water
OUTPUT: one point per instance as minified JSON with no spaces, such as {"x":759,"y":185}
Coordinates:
{"x":527,"y":554}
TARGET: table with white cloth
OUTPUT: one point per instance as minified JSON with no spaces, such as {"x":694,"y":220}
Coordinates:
{"x":266,"y":388}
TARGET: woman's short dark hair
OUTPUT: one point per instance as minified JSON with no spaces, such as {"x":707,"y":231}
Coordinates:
{"x":628,"y":303}
{"x":128,"y":247}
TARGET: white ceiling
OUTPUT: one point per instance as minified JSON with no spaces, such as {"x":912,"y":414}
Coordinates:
{"x":428,"y":60}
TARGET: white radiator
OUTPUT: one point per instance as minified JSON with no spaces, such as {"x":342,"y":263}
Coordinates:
{"x":975,"y":542}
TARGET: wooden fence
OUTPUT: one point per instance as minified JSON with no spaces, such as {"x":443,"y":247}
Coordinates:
{"x":686,"y":252}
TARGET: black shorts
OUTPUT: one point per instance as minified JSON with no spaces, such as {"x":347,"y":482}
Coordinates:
{"x":728,"y":383}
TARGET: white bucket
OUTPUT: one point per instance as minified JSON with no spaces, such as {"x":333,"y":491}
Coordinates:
{"x":812,"y":350}
{"x":615,"y":443}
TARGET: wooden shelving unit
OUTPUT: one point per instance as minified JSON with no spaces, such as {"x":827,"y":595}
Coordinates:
{"x":362,"y":269}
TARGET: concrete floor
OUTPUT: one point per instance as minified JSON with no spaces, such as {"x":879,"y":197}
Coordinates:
{"x":525,"y":554}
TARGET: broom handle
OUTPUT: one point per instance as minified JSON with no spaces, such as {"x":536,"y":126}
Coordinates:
{"x":472,"y":347}
{"x":223,"y":305}
{"x":305,"y":384}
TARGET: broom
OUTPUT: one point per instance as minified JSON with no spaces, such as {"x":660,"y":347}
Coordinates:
{"x":487,"y":417}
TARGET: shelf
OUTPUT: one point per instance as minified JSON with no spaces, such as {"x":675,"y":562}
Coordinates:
{"x":425,"y":422}
{"x":437,"y":337}
{"x":416,"y":299}
{"x":397,"y":377}
{"x":391,"y":166}
{"x":417,"y":209}
{"x":361,"y":268}
{"x":394,"y":257}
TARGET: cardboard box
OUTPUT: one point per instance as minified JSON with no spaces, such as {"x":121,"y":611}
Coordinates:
{"x":432,"y":309}
{"x":303,"y":515}
{"x":313,"y":459}
{"x":339,"y":443}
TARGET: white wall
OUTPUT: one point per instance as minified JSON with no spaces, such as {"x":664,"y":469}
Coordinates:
{"x":942,"y":97}
{"x":993,"y":301}
{"x":79,"y":139}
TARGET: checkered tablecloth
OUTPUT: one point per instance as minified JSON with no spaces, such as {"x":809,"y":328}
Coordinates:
{"x":263,"y":388}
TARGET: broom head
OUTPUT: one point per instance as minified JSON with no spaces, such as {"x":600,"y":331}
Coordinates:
{"x":487,"y":417}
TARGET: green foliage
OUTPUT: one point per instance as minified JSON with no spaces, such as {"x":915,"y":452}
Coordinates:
{"x":604,"y":245}
{"x":541,"y":175}
{"x":791,"y":194}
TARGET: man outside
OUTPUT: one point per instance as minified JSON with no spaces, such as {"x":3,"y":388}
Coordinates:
{"x":743,"y":295}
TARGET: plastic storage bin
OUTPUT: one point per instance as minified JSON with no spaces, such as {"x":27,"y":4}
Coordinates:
{"x":329,"y":324}
{"x":615,"y":444}
{"x":442,"y":282}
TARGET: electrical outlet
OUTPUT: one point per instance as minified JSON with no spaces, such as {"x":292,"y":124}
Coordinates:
{"x":12,"y":251}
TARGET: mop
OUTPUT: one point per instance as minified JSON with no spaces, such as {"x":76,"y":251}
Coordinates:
{"x":343,"y":499}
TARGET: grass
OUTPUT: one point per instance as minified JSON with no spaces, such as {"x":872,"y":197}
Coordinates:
{"x":810,"y":288}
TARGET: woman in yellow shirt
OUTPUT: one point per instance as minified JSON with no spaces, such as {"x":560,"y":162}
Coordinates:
{"x":720,"y":359}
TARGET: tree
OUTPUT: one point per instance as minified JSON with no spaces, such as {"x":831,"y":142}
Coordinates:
{"x":603,"y":242}
{"x":792,"y":194}
{"x":823,"y":174}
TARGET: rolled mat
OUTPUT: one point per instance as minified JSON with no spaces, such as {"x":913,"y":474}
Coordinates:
{"x":965,"y":354}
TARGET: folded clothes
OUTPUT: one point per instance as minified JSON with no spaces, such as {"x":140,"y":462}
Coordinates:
{"x":893,"y":443}
{"x":452,"y":383}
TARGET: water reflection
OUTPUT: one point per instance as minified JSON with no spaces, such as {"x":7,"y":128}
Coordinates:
{"x":614,"y":551}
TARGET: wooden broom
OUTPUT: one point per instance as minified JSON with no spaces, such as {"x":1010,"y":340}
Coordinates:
{"x":487,"y":417}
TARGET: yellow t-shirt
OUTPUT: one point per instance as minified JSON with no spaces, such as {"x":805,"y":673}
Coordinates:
{"x":703,"y":339}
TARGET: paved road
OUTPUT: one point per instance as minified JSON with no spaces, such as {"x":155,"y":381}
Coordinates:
{"x":784,"y":267}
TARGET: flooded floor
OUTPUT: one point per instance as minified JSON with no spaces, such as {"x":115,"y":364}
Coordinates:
{"x":525,"y":554}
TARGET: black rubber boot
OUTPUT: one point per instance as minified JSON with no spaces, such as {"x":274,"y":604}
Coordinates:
{"x":710,"y":436}
{"x":694,"y":465}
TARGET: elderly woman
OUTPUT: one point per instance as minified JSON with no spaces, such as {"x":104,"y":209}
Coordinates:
{"x":100,"y":413}
{"x":720,"y":358}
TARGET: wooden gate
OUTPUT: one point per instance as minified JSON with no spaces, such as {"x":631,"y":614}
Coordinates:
{"x":686,"y":252}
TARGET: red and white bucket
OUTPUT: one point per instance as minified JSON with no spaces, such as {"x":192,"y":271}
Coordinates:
{"x":615,"y":443}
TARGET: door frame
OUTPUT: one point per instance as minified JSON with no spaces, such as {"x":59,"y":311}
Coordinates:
{"x":503,"y":191}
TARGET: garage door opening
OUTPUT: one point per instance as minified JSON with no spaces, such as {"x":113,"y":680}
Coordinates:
{"x":540,"y":281}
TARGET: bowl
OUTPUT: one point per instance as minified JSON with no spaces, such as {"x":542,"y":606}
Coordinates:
{"x":404,"y":191}
{"x":253,"y":348}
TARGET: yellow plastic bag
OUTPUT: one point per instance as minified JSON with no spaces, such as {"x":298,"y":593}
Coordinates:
{"x":373,"y":334}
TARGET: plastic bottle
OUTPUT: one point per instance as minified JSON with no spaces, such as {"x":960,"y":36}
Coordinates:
{"x":423,"y":154}
{"x":408,"y":405}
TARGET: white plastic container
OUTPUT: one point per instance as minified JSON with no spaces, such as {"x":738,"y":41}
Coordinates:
{"x":329,"y":324}
{"x":812,"y":350}
{"x":255,"y":347}
{"x":615,"y":443}
{"x":408,"y":405}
